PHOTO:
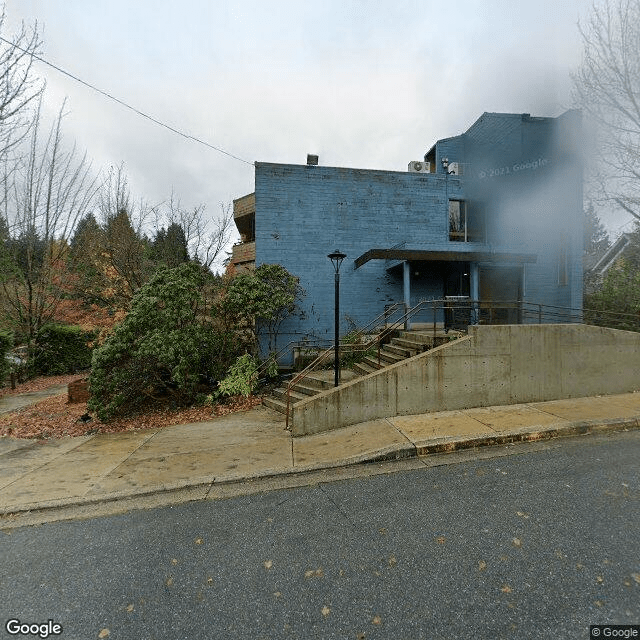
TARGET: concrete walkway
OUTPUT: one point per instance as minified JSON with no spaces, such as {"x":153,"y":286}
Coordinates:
{"x":13,"y":403}
{"x":36,"y":475}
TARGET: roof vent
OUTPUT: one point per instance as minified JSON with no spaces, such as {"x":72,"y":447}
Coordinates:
{"x":312,"y":161}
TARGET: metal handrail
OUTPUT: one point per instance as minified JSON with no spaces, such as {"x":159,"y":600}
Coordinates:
{"x":367,"y":345}
{"x":474,"y":306}
{"x":297,"y":344}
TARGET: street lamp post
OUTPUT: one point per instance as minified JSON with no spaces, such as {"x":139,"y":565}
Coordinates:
{"x":336,"y":260}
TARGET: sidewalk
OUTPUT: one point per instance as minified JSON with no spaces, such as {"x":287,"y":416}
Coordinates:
{"x":86,"y":470}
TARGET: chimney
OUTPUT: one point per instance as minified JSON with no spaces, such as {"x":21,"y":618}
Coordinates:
{"x":312,"y":161}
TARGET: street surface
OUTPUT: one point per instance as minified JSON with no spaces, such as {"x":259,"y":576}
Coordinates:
{"x":535,"y":545}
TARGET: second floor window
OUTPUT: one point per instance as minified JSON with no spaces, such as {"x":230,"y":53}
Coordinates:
{"x":466,"y":221}
{"x":458,"y":221}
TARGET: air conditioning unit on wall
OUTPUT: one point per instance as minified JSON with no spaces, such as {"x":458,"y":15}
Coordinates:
{"x":419,"y":166}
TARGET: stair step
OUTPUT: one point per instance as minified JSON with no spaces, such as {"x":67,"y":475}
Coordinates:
{"x":306,"y":389}
{"x":372,"y":362}
{"x":420,"y":336}
{"x":319,"y":384}
{"x":398,"y":350}
{"x":412,"y":345}
{"x":276,"y":405}
{"x":363,"y":368}
{"x":323,"y":380}
{"x":389,"y":356}
{"x":417,"y":337}
{"x":295,"y":396}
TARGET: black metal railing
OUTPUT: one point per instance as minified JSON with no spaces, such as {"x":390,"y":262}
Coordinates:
{"x":453,"y":313}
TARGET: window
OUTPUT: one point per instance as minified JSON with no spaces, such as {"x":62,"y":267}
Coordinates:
{"x":457,"y":221}
{"x":466,"y":221}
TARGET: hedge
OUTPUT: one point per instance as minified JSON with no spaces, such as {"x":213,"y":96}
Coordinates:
{"x":6,"y":343}
{"x":61,"y":349}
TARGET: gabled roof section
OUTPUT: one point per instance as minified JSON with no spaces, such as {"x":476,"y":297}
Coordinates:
{"x":497,"y":128}
{"x":492,"y":128}
{"x":613,"y":253}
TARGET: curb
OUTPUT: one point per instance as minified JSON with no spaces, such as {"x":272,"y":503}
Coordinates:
{"x":386,"y":454}
{"x":529,"y":434}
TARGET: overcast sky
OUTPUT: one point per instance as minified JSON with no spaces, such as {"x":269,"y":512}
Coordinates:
{"x":369,"y":84}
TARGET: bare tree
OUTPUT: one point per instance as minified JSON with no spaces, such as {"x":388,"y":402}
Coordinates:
{"x":206,"y":237}
{"x":19,"y":86}
{"x":607,"y":89}
{"x":50,"y":190}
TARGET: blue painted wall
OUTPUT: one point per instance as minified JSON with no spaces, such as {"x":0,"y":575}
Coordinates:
{"x":525,"y":172}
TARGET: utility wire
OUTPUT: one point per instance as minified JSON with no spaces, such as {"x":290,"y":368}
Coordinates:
{"x":124,"y":104}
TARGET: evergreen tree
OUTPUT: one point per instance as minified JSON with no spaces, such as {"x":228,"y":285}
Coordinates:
{"x":170,"y":247}
{"x":596,"y":238}
{"x":126,"y":253}
{"x":87,"y":234}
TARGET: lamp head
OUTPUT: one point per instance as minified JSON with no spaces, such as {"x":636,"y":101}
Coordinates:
{"x":336,"y":259}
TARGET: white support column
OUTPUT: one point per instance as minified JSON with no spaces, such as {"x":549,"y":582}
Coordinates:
{"x":406,"y":281}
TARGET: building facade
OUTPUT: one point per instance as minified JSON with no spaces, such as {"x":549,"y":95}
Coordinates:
{"x":494,"y":214}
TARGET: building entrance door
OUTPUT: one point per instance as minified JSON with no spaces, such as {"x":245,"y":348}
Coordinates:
{"x":457,"y":288}
{"x":500,"y":294}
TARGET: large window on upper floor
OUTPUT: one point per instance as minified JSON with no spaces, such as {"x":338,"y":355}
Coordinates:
{"x":466,"y":222}
{"x":457,"y":220}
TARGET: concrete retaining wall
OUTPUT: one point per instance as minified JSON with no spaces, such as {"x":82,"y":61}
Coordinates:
{"x":493,"y":365}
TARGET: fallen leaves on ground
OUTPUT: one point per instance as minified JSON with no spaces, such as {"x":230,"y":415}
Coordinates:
{"x":40,"y":383}
{"x":314,"y":573}
{"x":55,"y":418}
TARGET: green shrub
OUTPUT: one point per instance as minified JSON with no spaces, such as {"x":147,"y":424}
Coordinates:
{"x":61,"y":349}
{"x":6,"y":342}
{"x":165,"y":348}
{"x":241,"y":379}
{"x":353,"y":351}
{"x":264,"y":298}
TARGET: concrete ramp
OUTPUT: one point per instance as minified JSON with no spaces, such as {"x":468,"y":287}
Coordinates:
{"x":493,"y":365}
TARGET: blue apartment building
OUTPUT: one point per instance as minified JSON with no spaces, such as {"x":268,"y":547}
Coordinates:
{"x":493,"y":214}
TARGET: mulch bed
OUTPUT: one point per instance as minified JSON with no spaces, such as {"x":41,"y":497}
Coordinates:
{"x":55,"y":418}
{"x":40,"y":383}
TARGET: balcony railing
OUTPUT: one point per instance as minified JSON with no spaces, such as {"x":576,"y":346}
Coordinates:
{"x":243,"y":252}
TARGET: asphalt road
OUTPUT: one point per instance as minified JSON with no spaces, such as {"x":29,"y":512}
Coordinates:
{"x":536,"y":545}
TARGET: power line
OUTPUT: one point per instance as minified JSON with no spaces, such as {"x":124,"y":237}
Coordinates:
{"x":124,"y":104}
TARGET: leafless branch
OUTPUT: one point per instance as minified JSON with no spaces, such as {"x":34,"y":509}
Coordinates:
{"x":607,"y":89}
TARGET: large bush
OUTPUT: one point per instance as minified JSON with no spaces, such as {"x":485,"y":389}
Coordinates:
{"x":264,"y":298}
{"x":617,"y":303}
{"x":6,"y":342}
{"x":61,"y":349}
{"x":166,"y":347}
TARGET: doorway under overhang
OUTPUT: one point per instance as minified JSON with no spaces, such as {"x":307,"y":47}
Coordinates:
{"x":472,"y":274}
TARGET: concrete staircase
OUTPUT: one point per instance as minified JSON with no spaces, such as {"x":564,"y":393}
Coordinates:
{"x":404,"y":345}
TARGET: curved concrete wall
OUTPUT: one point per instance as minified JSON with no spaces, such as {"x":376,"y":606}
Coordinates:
{"x":493,"y":365}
